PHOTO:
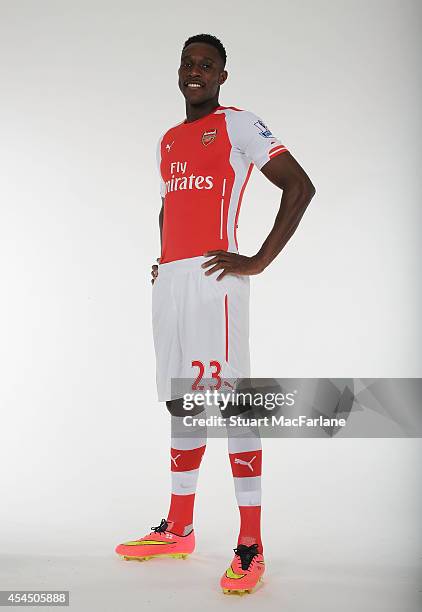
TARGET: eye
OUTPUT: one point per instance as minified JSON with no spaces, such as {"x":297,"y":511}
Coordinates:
{"x":206,"y":66}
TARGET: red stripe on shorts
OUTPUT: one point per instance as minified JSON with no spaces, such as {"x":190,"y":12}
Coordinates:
{"x":226,"y":311}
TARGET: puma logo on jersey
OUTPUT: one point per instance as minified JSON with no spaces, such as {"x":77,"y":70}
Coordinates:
{"x":248,"y":463}
{"x":168,"y":146}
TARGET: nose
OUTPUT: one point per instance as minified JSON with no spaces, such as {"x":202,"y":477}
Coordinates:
{"x":195,"y":70}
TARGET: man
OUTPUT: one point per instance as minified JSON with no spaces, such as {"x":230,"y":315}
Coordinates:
{"x":201,"y":290}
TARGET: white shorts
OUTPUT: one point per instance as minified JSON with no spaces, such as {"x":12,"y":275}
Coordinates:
{"x":196,"y":318}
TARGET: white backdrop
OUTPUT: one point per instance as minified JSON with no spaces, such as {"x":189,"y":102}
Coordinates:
{"x":86,"y":90}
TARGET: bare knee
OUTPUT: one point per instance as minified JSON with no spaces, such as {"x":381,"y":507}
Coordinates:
{"x":176,"y":408}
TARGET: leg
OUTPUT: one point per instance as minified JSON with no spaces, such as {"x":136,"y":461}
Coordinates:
{"x":187,"y":448}
{"x":245,"y":453}
{"x":248,"y":565}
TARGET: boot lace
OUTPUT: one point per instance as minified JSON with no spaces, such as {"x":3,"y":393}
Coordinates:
{"x":162,"y":527}
{"x":246,"y":554}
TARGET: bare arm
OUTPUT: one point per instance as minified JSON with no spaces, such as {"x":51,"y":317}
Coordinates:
{"x":160,"y":222}
{"x":154,"y":271}
{"x":287,"y":174}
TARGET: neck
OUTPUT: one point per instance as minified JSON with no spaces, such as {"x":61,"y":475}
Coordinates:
{"x":200,"y":110}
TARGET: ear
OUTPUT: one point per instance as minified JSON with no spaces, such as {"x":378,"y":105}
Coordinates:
{"x":223,"y":77}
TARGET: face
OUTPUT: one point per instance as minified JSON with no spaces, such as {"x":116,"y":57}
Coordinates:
{"x":201,"y":73}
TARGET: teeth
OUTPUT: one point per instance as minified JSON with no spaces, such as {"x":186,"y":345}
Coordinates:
{"x":194,"y":85}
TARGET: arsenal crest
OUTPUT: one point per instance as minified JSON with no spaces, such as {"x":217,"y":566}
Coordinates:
{"x":208,"y":137}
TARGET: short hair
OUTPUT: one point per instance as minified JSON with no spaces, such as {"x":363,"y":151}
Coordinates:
{"x":209,"y":39}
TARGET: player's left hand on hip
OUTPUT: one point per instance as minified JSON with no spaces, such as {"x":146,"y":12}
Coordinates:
{"x":230,"y":263}
{"x":154,"y":271}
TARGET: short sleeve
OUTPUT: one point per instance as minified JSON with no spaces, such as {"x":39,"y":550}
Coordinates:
{"x":255,"y":139}
{"x":162,"y":183}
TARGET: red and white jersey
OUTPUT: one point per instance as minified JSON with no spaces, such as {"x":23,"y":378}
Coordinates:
{"x":204,"y":167}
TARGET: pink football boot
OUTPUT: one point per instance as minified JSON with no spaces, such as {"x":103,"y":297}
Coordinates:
{"x":245,"y":571}
{"x":159,"y":543}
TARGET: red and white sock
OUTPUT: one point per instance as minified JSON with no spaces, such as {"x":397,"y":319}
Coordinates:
{"x":185,"y":459}
{"x":246,"y":463}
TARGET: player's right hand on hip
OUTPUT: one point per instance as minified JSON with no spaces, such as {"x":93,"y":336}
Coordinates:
{"x":154,"y":271}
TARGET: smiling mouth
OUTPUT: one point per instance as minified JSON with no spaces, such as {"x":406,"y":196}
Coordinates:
{"x":193,"y":85}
